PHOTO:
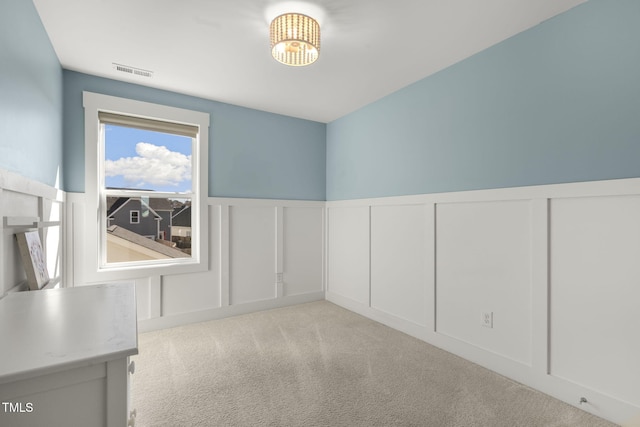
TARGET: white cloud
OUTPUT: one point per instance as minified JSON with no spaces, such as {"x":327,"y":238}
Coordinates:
{"x":155,"y":165}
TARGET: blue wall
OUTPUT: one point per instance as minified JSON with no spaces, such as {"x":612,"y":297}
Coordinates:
{"x":558,"y":103}
{"x":30,"y":95}
{"x":251,"y":153}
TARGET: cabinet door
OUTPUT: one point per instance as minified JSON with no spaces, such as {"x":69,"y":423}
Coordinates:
{"x":75,"y":397}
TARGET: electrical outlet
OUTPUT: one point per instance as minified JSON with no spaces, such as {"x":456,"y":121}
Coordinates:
{"x":278,"y":277}
{"x":487,"y":319}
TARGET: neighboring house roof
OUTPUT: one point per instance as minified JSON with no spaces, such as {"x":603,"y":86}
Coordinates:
{"x":182,"y":217}
{"x":120,"y":202}
{"x":137,"y":239}
{"x":114,"y":203}
{"x":160,"y":204}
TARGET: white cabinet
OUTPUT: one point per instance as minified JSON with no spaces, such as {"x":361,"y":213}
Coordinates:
{"x":64,"y":356}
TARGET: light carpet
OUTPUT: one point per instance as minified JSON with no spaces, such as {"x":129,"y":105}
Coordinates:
{"x":317,"y":364}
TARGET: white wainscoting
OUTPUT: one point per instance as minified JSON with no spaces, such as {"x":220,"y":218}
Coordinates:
{"x":399,"y":268}
{"x":483,"y":265}
{"x":302,"y":251}
{"x":348,"y":259}
{"x":252,"y":254}
{"x":28,"y":205}
{"x":262,"y":254}
{"x":595,"y":293}
{"x":557,"y":265}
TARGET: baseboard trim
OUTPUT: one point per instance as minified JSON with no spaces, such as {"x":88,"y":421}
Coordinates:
{"x":176,"y":320}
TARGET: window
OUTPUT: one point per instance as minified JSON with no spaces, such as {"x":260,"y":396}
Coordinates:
{"x":145,"y":163}
{"x":146,"y":170}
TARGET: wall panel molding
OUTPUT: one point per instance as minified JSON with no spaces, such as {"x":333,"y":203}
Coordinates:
{"x":483,"y":265}
{"x":594,"y":277}
{"x":548,"y":257}
{"x":399,"y":267}
{"x":348,"y":252}
{"x":284,"y":237}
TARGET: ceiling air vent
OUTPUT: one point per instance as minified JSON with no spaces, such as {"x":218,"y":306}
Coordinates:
{"x":132,"y":70}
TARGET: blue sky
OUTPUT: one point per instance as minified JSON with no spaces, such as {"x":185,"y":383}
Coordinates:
{"x":142,"y":159}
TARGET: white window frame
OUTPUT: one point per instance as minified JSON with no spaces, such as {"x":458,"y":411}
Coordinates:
{"x":95,"y":268}
{"x":131,"y":212}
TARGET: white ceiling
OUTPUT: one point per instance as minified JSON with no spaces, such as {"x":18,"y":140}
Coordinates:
{"x":219,"y":49}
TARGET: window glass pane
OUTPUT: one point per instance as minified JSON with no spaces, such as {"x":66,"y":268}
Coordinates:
{"x":147,"y":160}
{"x":162,"y":230}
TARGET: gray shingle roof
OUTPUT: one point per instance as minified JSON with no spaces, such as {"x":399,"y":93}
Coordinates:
{"x":132,"y":237}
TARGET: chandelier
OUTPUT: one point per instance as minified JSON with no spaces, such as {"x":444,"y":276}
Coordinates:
{"x":295,"y":39}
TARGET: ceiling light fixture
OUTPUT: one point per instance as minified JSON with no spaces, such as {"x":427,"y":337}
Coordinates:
{"x":295,"y":39}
